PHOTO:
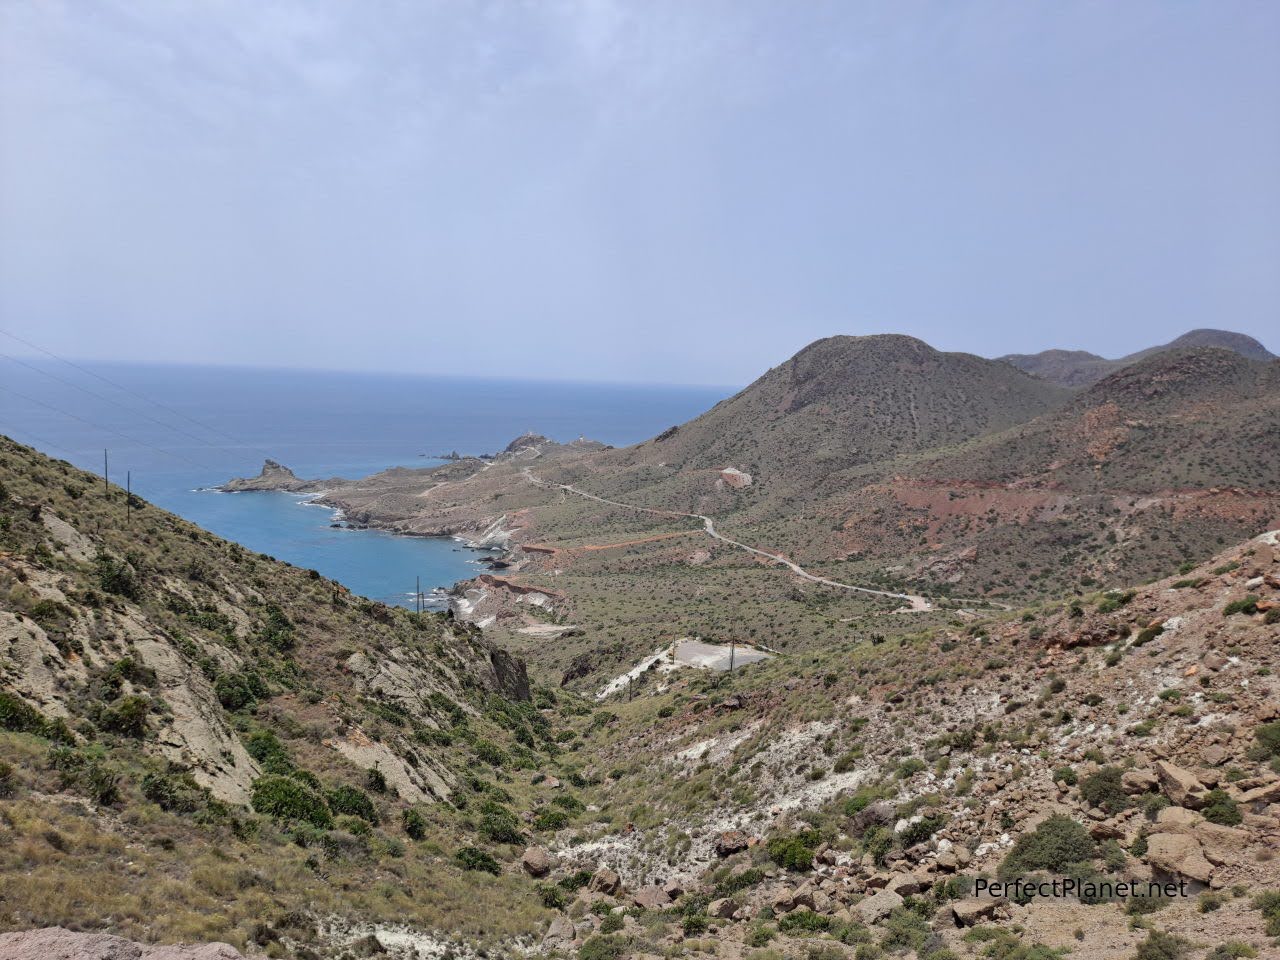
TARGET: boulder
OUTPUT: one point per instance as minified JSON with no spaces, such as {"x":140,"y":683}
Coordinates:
{"x":805,"y":896}
{"x":674,"y":889}
{"x":877,"y":906}
{"x":908,"y":884}
{"x":1179,"y":785}
{"x":1214,"y":755}
{"x":651,"y":897}
{"x":722,"y":909}
{"x":1138,"y":781}
{"x":970,"y":911}
{"x":537,"y":862}
{"x":605,"y":881}
{"x":1179,"y":854}
{"x":1265,"y":794}
{"x":561,"y":933}
{"x":731,"y":842}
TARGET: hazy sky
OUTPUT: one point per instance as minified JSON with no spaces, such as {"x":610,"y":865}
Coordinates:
{"x":662,"y":191}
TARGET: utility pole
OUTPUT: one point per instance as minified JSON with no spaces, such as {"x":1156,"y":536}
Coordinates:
{"x":417,"y":594}
{"x":732,"y":651}
{"x":106,"y":492}
{"x":128,"y":497}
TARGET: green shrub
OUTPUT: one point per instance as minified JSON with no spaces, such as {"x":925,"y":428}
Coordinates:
{"x":738,"y":881}
{"x":603,"y":948}
{"x":177,"y":792}
{"x":1055,"y":844}
{"x":610,"y":923}
{"x":1162,"y":946}
{"x":127,"y":716}
{"x":569,"y":803}
{"x":490,"y":753}
{"x":499,"y":825}
{"x":117,"y":577}
{"x":265,"y":747}
{"x":473,"y":858}
{"x":286,"y":799}
{"x":552,"y":896}
{"x":1065,"y":775}
{"x":1105,"y":790}
{"x":1268,"y":737}
{"x":921,"y":830}
{"x":794,"y":851}
{"x":878,"y":841}
{"x":804,"y":921}
{"x":18,"y":716}
{"x":1115,"y":599}
{"x":353,"y":801}
{"x":1231,"y":950}
{"x":759,"y":935}
{"x":1140,"y":904}
{"x":415,"y":824}
{"x":1147,"y":634}
{"x":1220,"y":808}
{"x":549,"y":819}
{"x":1248,"y":605}
{"x":693,"y":924}
{"x":905,"y":930}
{"x":861,"y":799}
{"x":1268,"y":903}
{"x":238,"y":690}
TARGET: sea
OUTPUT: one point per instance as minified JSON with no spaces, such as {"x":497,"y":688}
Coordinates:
{"x":176,"y":432}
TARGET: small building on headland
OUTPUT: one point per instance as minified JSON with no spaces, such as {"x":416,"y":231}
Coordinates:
{"x":735,"y":478}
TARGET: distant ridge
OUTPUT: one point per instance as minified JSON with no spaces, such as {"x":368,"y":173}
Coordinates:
{"x":1079,"y":368}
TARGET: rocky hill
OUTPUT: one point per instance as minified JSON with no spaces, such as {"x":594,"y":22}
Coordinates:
{"x":1079,"y":368}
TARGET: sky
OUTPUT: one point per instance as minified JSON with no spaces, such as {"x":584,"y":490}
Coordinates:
{"x":681,"y":191}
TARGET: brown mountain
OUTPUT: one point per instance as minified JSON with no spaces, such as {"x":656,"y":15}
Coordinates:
{"x":1079,"y":368}
{"x":844,"y":401}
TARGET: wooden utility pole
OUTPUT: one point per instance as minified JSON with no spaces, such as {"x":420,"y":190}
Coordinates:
{"x":106,"y":492}
{"x":128,"y":497}
{"x":417,"y":594}
{"x":732,"y":651}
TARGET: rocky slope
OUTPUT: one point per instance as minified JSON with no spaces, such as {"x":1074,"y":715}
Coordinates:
{"x":849,"y":805}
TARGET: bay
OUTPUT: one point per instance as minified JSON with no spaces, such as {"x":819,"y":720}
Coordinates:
{"x":180,"y":430}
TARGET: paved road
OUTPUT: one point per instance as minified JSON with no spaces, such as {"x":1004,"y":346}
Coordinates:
{"x":916,"y":603}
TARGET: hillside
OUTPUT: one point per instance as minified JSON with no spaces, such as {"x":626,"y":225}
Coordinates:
{"x":202,"y":743}
{"x":846,"y":800}
{"x":1079,"y":368}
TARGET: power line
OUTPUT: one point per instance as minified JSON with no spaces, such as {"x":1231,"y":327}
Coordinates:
{"x":132,"y":393}
{"x":98,"y":426}
{"x":48,"y":444}
{"x":114,"y":403}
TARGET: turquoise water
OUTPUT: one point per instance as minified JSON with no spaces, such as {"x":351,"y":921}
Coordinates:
{"x":181,"y":430}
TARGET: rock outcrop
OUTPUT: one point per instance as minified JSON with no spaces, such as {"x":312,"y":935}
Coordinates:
{"x":274,"y":476}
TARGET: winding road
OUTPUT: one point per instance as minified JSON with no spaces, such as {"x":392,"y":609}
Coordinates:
{"x":917,"y":604}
